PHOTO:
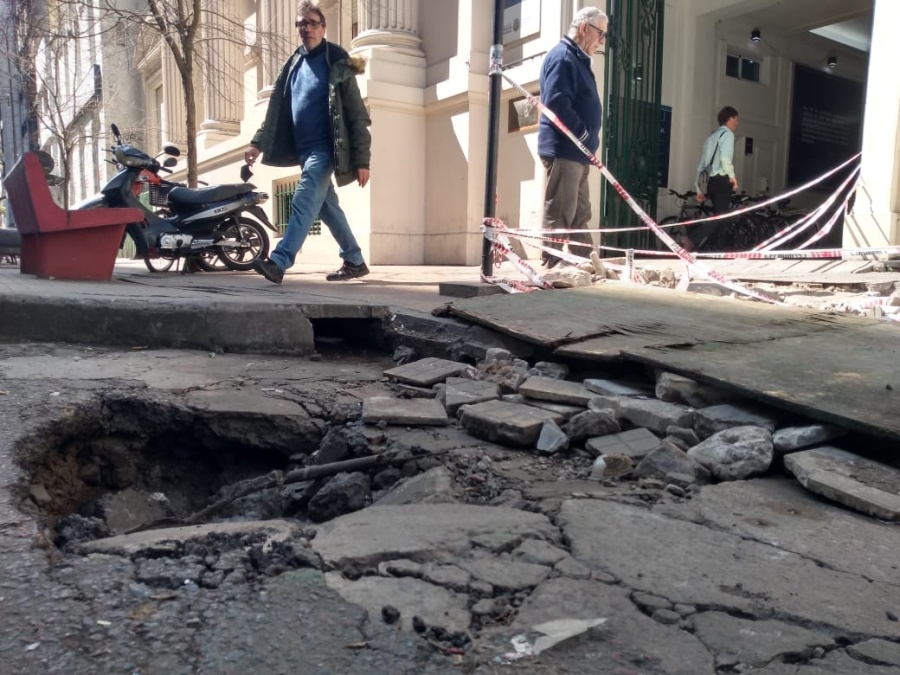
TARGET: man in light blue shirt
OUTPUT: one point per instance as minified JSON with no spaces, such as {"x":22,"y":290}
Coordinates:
{"x":717,"y":157}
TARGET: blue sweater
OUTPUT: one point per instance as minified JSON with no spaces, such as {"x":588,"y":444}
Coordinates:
{"x":568,"y":88}
{"x":309,"y":102}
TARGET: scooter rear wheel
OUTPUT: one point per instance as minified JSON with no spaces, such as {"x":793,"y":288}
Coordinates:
{"x":252,"y":234}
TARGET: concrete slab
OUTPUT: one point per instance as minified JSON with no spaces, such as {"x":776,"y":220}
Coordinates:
{"x":634,"y":443}
{"x":508,"y":423}
{"x":413,"y":412}
{"x":462,"y":391}
{"x":426,"y":372}
{"x":613,"y":388}
{"x":557,"y":391}
{"x":472,"y":289}
{"x":862,"y":484}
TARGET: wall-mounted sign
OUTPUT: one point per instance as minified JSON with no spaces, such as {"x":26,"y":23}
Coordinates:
{"x":521,"y":19}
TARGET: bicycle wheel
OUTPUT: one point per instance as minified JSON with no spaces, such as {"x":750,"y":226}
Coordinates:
{"x":675,"y":232}
{"x":740,"y":235}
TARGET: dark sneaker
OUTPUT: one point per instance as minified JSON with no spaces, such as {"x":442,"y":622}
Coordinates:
{"x":269,"y":270}
{"x":348,"y":272}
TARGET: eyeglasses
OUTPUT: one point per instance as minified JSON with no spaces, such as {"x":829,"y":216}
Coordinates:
{"x":308,"y":24}
{"x":601,"y":33}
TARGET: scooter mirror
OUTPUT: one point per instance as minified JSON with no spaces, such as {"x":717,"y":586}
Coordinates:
{"x":171,"y":150}
{"x":115,"y":130}
{"x":170,"y":162}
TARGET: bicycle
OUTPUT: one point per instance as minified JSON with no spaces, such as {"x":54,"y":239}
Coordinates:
{"x":739,"y":234}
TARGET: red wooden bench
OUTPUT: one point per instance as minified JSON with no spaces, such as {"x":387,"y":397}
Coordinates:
{"x":59,"y":243}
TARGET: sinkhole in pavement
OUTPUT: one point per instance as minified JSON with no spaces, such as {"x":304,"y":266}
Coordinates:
{"x":136,"y":463}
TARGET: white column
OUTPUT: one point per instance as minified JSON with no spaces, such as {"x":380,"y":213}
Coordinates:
{"x":389,"y":23}
{"x":875,"y":220}
{"x":173,"y":97}
{"x":277,"y":25}
{"x":223,"y":63}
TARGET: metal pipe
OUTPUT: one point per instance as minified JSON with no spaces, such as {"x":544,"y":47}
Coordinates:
{"x":490,"y":182}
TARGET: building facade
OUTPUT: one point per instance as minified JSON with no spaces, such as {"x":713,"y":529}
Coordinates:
{"x":426,"y":86}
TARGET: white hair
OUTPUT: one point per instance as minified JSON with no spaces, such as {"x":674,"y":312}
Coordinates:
{"x":585,"y":15}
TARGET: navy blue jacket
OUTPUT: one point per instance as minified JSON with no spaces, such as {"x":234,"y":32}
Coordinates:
{"x":568,"y":88}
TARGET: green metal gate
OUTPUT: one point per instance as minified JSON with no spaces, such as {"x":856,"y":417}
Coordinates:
{"x":634,"y":54}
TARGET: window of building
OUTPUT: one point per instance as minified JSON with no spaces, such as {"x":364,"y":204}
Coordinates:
{"x":742,"y":68}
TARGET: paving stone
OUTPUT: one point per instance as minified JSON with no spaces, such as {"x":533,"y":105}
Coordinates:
{"x":876,"y":651}
{"x":790,"y":439}
{"x":559,"y":391}
{"x":754,"y":643}
{"x":668,"y":459}
{"x":613,"y":388}
{"x":861,"y":484}
{"x":508,"y":423}
{"x":409,"y":412}
{"x":437,"y":606}
{"x":654,"y":415}
{"x":591,"y":423}
{"x":563,"y":410}
{"x":461,"y":391}
{"x":426,"y":372}
{"x":634,"y":443}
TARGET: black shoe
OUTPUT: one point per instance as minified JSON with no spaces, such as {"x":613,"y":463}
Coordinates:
{"x":348,"y":272}
{"x":269,"y":270}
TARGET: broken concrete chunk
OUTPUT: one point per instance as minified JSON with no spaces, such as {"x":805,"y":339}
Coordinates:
{"x":556,"y":371}
{"x":449,"y":576}
{"x":343,"y":493}
{"x":401,"y":568}
{"x":571,"y":568}
{"x":509,"y":423}
{"x":128,"y":509}
{"x":679,"y":389}
{"x":560,"y":391}
{"x":552,"y":438}
{"x":613,"y":388}
{"x":493,"y":354}
{"x":539,"y":553}
{"x":507,"y":576}
{"x":668,"y":459}
{"x":508,"y":375}
{"x":426,"y":372}
{"x":634,"y":443}
{"x":460,"y":391}
{"x":561,"y":409}
{"x":613,"y":465}
{"x":605,"y":403}
{"x":435,"y":486}
{"x":688,"y":436}
{"x":790,"y":439}
{"x":861,"y":484}
{"x":408,"y":412}
{"x":735,"y":454}
{"x":655,"y":415}
{"x":717,"y":418}
{"x":591,"y":423}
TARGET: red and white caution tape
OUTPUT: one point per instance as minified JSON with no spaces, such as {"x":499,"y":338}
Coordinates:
{"x":688,"y":258}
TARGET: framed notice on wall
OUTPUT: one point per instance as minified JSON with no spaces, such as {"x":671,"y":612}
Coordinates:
{"x":521,"y":20}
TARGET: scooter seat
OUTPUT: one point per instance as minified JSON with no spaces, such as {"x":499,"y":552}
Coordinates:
{"x":217,"y":193}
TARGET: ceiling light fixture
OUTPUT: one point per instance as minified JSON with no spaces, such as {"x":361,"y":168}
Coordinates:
{"x":755,"y":35}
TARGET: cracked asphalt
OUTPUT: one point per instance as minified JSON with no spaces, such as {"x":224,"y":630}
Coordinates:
{"x":750,"y":576}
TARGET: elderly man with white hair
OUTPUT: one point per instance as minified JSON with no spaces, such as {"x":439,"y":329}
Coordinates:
{"x":569,"y":89}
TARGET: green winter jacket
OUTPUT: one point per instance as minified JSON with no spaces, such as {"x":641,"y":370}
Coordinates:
{"x":349,"y":117}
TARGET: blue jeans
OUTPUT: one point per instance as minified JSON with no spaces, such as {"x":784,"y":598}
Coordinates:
{"x":315,"y":195}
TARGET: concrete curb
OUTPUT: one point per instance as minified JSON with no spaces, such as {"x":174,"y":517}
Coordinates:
{"x":266,"y":328}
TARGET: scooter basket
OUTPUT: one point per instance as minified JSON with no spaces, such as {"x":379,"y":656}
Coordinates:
{"x":159,"y":195}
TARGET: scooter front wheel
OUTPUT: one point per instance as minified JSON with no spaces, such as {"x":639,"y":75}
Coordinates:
{"x":254,"y":245}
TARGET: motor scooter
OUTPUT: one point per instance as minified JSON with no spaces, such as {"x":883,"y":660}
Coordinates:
{"x":207,"y":225}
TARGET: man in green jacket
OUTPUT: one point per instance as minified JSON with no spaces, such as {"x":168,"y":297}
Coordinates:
{"x":316,"y":118}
